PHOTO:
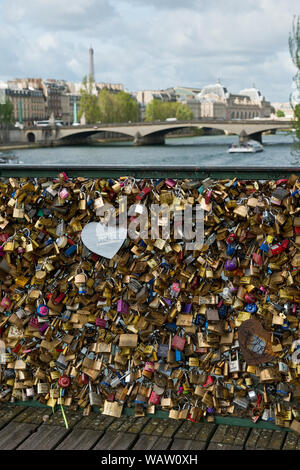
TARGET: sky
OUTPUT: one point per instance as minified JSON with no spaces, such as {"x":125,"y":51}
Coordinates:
{"x":152,"y":44}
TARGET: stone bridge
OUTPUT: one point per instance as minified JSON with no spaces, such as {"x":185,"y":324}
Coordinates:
{"x":150,"y":133}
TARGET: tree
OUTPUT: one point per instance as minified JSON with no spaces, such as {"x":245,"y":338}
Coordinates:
{"x":6,"y":114}
{"x":183,"y":112}
{"x":126,"y":108}
{"x":117,"y":107}
{"x":280,"y":113}
{"x":88,"y":102}
{"x":6,"y":117}
{"x":162,"y":110}
{"x":294,"y":47}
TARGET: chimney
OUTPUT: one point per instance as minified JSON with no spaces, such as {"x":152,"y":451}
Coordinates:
{"x":91,"y":74}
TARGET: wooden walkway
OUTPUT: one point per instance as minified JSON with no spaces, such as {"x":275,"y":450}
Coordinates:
{"x":25,"y":428}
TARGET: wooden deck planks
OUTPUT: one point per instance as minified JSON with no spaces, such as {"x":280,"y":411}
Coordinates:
{"x":162,"y":443}
{"x":14,"y":434}
{"x":80,"y":439}
{"x":23,"y":428}
{"x":45,"y":438}
{"x":115,"y":441}
{"x":145,"y":442}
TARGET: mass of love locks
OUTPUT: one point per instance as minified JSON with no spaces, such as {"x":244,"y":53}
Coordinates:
{"x":88,"y":319}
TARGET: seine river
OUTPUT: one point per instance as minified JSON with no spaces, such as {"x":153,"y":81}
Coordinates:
{"x":205,"y":150}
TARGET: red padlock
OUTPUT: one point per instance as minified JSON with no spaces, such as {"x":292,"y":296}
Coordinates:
{"x":231,"y":238}
{"x":59,"y":298}
{"x":208,"y":196}
{"x":285,"y":244}
{"x":154,"y":399}
{"x":178,"y":343}
{"x":276,"y":249}
{"x":143,"y":193}
{"x":209,"y":381}
{"x":64,"y":381}
{"x":250,"y":298}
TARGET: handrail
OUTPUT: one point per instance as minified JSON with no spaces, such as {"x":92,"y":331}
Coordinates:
{"x":150,"y":171}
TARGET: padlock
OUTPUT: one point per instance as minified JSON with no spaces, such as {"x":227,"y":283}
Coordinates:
{"x":80,"y":282}
{"x":94,"y":397}
{"x":63,"y":194}
{"x":234,"y":365}
{"x":42,"y":310}
{"x":82,"y":201}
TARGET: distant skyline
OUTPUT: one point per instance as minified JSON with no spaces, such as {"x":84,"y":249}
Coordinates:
{"x":152,"y":44}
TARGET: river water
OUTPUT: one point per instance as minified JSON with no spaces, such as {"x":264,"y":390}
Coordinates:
{"x":204,"y":150}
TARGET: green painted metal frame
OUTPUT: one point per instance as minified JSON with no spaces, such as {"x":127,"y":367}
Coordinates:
{"x":143,"y":171}
{"x":192,"y":172}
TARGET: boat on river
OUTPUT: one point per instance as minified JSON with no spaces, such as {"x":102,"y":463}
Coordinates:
{"x":8,"y":159}
{"x":247,"y":147}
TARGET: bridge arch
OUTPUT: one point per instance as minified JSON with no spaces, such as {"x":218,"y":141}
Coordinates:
{"x":31,"y":137}
{"x":84,"y":134}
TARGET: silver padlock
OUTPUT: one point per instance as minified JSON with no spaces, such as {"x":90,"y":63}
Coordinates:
{"x":30,"y":392}
{"x":94,"y":397}
{"x":252,"y":395}
{"x":241,"y":402}
{"x":117,"y":380}
{"x":283,"y":368}
{"x":234,"y":365}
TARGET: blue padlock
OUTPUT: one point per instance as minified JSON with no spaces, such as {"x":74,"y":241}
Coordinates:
{"x":201,"y":189}
{"x":171,"y":326}
{"x":285,"y":325}
{"x":105,"y":383}
{"x":71,"y":250}
{"x":42,"y":310}
{"x":222,"y":311}
{"x":230,"y":250}
{"x":264,"y":247}
{"x":177,"y":356}
{"x":89,"y":202}
{"x":251,"y":308}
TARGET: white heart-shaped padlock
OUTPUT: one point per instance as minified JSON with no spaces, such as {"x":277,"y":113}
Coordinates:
{"x":104,"y":240}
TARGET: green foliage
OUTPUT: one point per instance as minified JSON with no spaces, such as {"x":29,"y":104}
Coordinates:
{"x":88,"y":102}
{"x":294,"y":47}
{"x":106,"y":107}
{"x":197,"y":132}
{"x":296,"y":122}
{"x":117,"y":107}
{"x":280,"y":113}
{"x":162,"y":110}
{"x":6,"y":113}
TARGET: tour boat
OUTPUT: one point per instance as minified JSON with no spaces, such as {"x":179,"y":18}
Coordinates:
{"x":248,"y":147}
{"x":8,"y":159}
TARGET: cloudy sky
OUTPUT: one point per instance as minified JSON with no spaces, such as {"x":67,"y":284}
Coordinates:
{"x":152,"y":44}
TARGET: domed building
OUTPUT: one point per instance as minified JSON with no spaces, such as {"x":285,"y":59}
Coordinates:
{"x":266,"y":109}
{"x":215,"y":102}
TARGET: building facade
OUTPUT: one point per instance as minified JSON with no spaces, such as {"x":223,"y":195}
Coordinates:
{"x":29,"y":105}
{"x":215,"y":102}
